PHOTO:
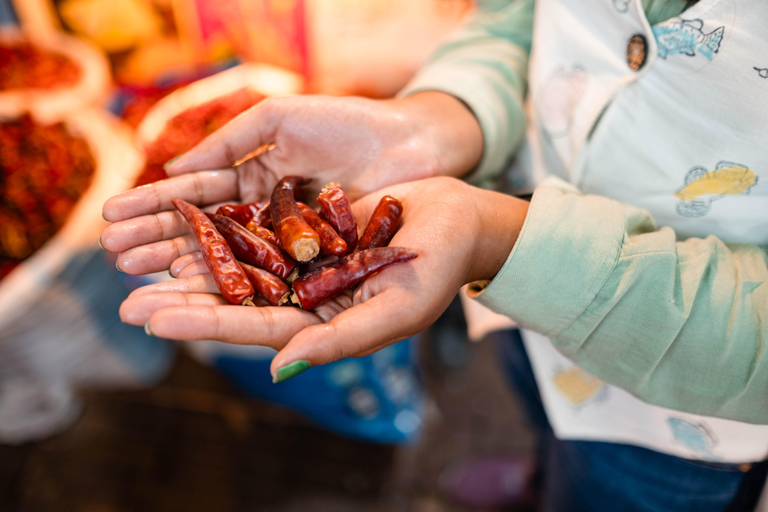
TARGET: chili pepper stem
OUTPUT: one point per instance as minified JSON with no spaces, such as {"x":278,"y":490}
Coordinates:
{"x":248,"y":301}
{"x":255,"y":153}
{"x":295,"y":299}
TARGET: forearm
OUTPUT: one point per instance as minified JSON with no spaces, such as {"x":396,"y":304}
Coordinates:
{"x":680,"y":324}
{"x":500,"y":220}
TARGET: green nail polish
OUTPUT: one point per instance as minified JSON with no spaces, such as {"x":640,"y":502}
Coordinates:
{"x":117,"y":266}
{"x":100,"y":244}
{"x":169,"y":162}
{"x":291,"y":370}
{"x":146,"y":329}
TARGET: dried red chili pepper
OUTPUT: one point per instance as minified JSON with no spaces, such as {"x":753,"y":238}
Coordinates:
{"x":267,"y":285}
{"x":262,"y":218}
{"x":264,"y":233}
{"x":241,"y":213}
{"x":382,"y":225}
{"x":328,"y":281}
{"x":252,"y":249}
{"x":295,"y":235}
{"x":330,"y":241}
{"x":220,"y":260}
{"x":337,"y":209}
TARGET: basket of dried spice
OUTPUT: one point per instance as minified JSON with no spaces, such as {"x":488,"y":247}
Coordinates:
{"x":59,"y":292}
{"x":49,"y":75}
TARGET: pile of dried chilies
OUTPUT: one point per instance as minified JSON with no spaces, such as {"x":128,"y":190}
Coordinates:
{"x":44,"y":169}
{"x":259,"y":249}
{"x":26,"y":66}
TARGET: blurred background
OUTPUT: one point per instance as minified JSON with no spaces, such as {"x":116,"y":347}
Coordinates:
{"x":95,"y":416}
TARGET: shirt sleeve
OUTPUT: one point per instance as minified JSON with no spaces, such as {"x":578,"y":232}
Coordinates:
{"x":680,"y":324}
{"x":486,"y":66}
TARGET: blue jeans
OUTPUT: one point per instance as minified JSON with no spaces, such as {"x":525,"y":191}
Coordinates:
{"x":589,"y":476}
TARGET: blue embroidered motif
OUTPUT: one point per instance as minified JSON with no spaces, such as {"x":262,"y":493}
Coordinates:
{"x":622,"y":5}
{"x":687,"y":37}
{"x":763,"y":72}
{"x":696,"y":437}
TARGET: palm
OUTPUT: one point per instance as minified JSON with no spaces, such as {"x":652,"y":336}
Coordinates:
{"x":360,"y":143}
{"x":436,"y":223}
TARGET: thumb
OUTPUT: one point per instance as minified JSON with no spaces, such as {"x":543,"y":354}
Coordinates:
{"x":247,"y":135}
{"x":360,"y":330}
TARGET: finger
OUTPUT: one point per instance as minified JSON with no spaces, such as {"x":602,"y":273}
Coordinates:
{"x":254,"y":129}
{"x":202,"y":283}
{"x":156,"y":257}
{"x":121,"y":236}
{"x":200,"y":188}
{"x":194,"y":269}
{"x":137,"y":309}
{"x":359,"y":329}
{"x":180,"y":263}
{"x":267,"y":326}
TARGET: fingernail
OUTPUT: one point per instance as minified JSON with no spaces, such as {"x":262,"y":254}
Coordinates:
{"x":146,"y":329}
{"x":169,"y":162}
{"x":101,"y":244}
{"x":117,"y":265}
{"x":291,"y":370}
{"x":171,"y":274}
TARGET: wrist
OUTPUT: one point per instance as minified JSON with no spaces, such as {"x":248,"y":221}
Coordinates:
{"x":449,"y":129}
{"x":500,"y":220}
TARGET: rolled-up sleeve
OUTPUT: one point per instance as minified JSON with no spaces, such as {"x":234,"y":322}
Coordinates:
{"x":681,"y":324}
{"x":486,"y":66}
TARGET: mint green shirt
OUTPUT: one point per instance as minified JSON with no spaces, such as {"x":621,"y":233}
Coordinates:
{"x":621,"y":297}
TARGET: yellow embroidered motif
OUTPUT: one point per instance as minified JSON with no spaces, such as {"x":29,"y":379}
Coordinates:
{"x":702,"y":187}
{"x":577,"y":385}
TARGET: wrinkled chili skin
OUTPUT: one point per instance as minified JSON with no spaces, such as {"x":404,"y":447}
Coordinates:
{"x":267,"y":285}
{"x":252,"y":249}
{"x":264,"y":233}
{"x":262,"y":218}
{"x":296,"y":237}
{"x":328,"y":281}
{"x":330,"y":241}
{"x":220,"y":260}
{"x":336,"y":208}
{"x":241,"y":213}
{"x":383,"y":224}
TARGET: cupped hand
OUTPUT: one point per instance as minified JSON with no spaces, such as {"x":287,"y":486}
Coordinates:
{"x":460,"y":233}
{"x":363,"y":144}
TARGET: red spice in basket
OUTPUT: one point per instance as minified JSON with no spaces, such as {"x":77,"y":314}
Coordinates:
{"x":24,"y":65}
{"x":43,"y":172}
{"x":187,"y":129}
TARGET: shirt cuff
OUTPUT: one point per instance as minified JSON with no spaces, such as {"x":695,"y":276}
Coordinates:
{"x":566,"y":250}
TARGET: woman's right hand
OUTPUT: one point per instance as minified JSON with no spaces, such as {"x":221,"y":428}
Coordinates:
{"x":460,"y":233}
{"x":363,"y":144}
